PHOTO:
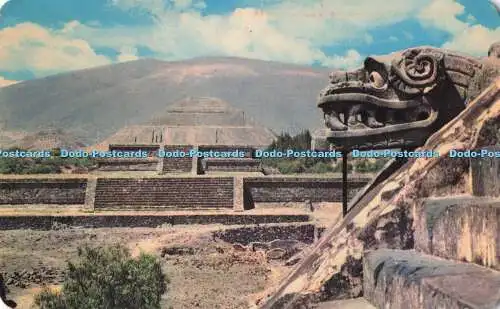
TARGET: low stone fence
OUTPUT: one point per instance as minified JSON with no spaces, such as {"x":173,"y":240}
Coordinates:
{"x":274,"y":189}
{"x":133,"y":164}
{"x":192,"y":192}
{"x":231,"y":165}
{"x":53,"y":222}
{"x":43,"y":191}
{"x":171,"y":192}
{"x":177,"y":164}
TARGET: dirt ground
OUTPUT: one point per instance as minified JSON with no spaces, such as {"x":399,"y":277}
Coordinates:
{"x":213,"y":274}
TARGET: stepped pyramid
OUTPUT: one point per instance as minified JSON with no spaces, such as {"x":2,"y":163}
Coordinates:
{"x":196,"y":121}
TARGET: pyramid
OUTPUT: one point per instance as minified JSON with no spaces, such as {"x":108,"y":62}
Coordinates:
{"x":196,"y":121}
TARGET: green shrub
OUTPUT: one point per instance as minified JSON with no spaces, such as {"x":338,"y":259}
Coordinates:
{"x":366,"y":166}
{"x":300,"y":142}
{"x":51,"y":165}
{"x":108,"y":278}
{"x":320,"y":167}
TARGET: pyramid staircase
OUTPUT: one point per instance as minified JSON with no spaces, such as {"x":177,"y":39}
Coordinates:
{"x":427,"y":237}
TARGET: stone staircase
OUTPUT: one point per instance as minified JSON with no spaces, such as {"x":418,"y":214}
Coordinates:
{"x":178,"y":164}
{"x":231,"y":165}
{"x":428,"y":237}
{"x":454,"y":264}
{"x":164,"y":193}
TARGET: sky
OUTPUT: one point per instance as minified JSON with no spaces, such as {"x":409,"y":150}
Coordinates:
{"x":45,"y":37}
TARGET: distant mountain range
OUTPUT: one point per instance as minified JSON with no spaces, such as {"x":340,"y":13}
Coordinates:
{"x":94,"y":103}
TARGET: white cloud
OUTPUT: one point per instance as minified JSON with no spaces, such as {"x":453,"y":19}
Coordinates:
{"x":2,"y":3}
{"x":351,"y":59}
{"x":442,"y":14}
{"x":289,"y":31}
{"x":475,"y":40}
{"x":43,"y":51}
{"x":467,"y":37}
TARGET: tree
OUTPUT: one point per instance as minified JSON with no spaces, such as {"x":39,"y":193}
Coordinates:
{"x":299,"y":142}
{"x":108,"y":278}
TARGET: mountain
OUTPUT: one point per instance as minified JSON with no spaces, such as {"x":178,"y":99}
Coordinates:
{"x":46,"y":140}
{"x":94,"y":103}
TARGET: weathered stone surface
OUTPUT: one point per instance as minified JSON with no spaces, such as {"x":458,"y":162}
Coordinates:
{"x":43,"y":191}
{"x":346,"y":240}
{"x":238,"y":193}
{"x":355,"y":303}
{"x":485,"y":172}
{"x":231,"y":165}
{"x":177,"y":164}
{"x":297,"y":189}
{"x":47,"y":222}
{"x":461,"y":228}
{"x":398,"y":101}
{"x":132,"y":164}
{"x":399,"y":279}
{"x":259,"y":237}
{"x":90,"y":193}
{"x":276,"y":254}
{"x":175,"y":192}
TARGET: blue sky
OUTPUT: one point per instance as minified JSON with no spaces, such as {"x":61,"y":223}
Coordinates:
{"x":44,"y":37}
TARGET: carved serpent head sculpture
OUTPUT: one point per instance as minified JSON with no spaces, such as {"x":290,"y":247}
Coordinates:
{"x":400,"y":100}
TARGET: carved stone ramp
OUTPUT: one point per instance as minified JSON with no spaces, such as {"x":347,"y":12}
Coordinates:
{"x":405,"y":279}
{"x":381,"y":218}
{"x":355,"y":303}
{"x":464,"y":228}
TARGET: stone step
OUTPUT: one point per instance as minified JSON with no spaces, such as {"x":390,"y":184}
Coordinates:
{"x":462,"y":228}
{"x":355,"y":303}
{"x":398,"y":279}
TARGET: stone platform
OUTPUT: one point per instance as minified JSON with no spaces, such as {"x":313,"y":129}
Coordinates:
{"x":404,"y":279}
{"x":13,"y":220}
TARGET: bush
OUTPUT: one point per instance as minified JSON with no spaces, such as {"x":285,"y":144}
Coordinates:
{"x":51,"y":165}
{"x":366,"y":166}
{"x":320,"y":167}
{"x":108,"y":278}
{"x":300,"y":142}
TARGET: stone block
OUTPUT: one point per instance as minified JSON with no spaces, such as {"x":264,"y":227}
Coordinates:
{"x":276,"y":189}
{"x":43,"y":191}
{"x":355,"y":303}
{"x":398,"y":279}
{"x":462,"y":228}
{"x":485,"y":174}
{"x":90,"y":193}
{"x":238,"y":197}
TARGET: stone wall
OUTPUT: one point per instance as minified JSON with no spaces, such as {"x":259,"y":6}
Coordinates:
{"x":249,"y":151}
{"x":175,"y":192}
{"x":306,"y":233}
{"x":132,"y":164}
{"x":231,"y":165}
{"x":42,"y":191}
{"x":150,"y":148}
{"x":296,"y":189}
{"x":177,"y":165}
{"x":50,"y":222}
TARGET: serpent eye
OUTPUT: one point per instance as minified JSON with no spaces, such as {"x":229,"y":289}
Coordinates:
{"x":376,"y":79}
